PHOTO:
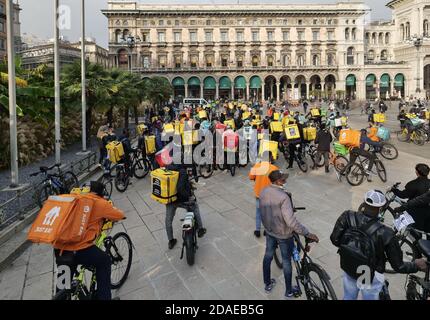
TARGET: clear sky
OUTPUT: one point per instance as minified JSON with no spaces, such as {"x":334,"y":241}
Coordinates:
{"x":37,"y":15}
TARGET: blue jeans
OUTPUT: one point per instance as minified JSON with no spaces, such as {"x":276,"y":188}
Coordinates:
{"x":257,"y":215}
{"x":286,"y":246}
{"x":351,"y":289}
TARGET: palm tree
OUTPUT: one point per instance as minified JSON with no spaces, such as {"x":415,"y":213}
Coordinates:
{"x":98,"y":89}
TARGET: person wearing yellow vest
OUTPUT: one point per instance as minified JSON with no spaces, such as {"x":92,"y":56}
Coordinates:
{"x":260,"y":174}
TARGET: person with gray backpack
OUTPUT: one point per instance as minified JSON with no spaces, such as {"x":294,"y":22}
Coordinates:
{"x":365,"y":245}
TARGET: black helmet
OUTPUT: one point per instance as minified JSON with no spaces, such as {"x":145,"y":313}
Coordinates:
{"x":97,"y":188}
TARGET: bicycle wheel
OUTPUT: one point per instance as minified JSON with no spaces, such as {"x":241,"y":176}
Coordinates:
{"x":319,"y":162}
{"x":140,"y":169}
{"x":206,"y":171}
{"x":420,"y":138}
{"x":355,"y":175}
{"x":302,"y":163}
{"x":340,"y":163}
{"x":410,"y":253}
{"x":318,"y":285}
{"x":278,"y":258}
{"x":402,"y":136}
{"x":389,"y":151}
{"x":43,"y":194}
{"x":190,"y":249}
{"x":121,"y":253}
{"x":121,"y":181}
{"x":108,"y":187}
{"x":70,"y":181}
{"x":232,"y":169}
{"x":382,"y":172}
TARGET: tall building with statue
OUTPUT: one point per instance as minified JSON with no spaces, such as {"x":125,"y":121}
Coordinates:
{"x":275,"y":51}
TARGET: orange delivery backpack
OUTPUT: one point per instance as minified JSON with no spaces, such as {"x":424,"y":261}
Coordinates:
{"x":350,"y":138}
{"x":62,"y":220}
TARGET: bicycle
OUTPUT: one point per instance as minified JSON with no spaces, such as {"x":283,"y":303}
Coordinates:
{"x":189,"y":230}
{"x":339,"y":162}
{"x":407,"y":237}
{"x":229,"y":166}
{"x":124,"y":172}
{"x":418,"y":288}
{"x":417,"y":135}
{"x":298,"y":157}
{"x":141,"y":165}
{"x":387,"y":151}
{"x":120,"y":256}
{"x":356,"y":172}
{"x":316,"y":287}
{"x":54,"y":184}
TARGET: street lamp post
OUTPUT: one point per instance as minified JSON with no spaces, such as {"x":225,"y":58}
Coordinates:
{"x":83,"y":81}
{"x":12,"y":95}
{"x":418,"y":42}
{"x":131,"y":43}
{"x":57,"y":83}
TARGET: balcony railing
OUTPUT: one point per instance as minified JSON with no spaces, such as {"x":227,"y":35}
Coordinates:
{"x":234,"y":68}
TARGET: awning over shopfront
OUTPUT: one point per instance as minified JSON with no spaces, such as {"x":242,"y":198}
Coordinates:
{"x":350,"y":80}
{"x":370,"y":80}
{"x":255,"y":83}
{"x":240,"y":83}
{"x":178,"y":82}
{"x":194,"y":81}
{"x":225,"y":83}
{"x":209,"y":83}
{"x":385,"y":81}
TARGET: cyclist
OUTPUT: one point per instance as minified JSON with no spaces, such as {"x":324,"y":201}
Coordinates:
{"x":85,"y":252}
{"x":373,"y":132}
{"x":323,"y":142}
{"x":185,"y":201}
{"x":126,"y":143}
{"x":277,"y":213}
{"x":360,"y":151}
{"x":260,"y":174}
{"x":385,"y":244}
{"x":414,"y":189}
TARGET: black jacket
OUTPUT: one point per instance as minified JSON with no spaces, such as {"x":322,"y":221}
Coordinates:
{"x":414,"y":189}
{"x":323,"y":140}
{"x":386,"y":245}
{"x":419,"y":209}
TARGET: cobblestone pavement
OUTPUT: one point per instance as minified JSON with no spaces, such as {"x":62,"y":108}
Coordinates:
{"x":229,"y":258}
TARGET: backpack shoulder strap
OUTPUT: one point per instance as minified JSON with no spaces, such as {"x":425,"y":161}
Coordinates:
{"x":352,"y":219}
{"x":371,"y":227}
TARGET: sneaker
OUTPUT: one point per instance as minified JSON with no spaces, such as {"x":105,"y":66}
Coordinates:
{"x":172,"y":243}
{"x":369,"y":176}
{"x":201,"y":232}
{"x":327,"y":170}
{"x":269,"y":288}
{"x":264,"y":233}
{"x":257,"y":233}
{"x":294,"y":293}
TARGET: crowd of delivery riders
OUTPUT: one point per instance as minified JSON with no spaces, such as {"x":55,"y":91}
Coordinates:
{"x":166,"y":139}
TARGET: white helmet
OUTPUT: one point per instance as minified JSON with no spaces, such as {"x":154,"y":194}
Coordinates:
{"x":375,"y":198}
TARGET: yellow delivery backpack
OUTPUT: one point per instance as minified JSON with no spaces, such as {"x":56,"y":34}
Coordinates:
{"x":276,"y":126}
{"x":315,"y":112}
{"x":292,"y":132}
{"x":271,"y":146}
{"x":150,"y":145}
{"x":115,"y":151}
{"x":379,"y":117}
{"x":140,"y":128}
{"x":203,"y":114}
{"x":164,"y":185}
{"x":310,"y":133}
{"x":230,"y":123}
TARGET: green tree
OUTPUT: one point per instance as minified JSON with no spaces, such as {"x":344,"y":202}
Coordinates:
{"x":158,"y":90}
{"x":99,"y":89}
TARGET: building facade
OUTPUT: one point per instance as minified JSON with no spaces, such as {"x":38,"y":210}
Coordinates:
{"x":94,"y":53}
{"x":3,"y":30}
{"x":44,"y":54}
{"x":269,"y":51}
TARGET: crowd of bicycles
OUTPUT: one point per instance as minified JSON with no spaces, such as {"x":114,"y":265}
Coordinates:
{"x":280,"y":130}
